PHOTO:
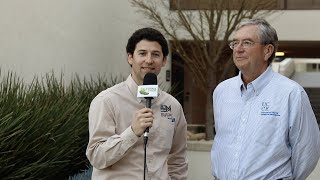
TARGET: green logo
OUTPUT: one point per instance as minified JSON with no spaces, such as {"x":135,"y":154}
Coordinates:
{"x":143,"y":91}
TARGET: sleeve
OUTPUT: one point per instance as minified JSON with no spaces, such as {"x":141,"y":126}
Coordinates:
{"x":216,"y":95}
{"x":304,"y":138}
{"x":105,"y":147}
{"x":177,"y":160}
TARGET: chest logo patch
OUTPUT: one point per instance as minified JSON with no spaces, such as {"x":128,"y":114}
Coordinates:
{"x":166,"y":112}
{"x":165,"y":108}
{"x":265,"y":110}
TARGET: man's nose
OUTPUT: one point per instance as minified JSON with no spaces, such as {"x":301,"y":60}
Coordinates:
{"x":149,"y":59}
{"x":239,"y":47}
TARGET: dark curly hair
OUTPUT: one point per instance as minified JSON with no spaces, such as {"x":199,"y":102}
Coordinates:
{"x":149,"y":34}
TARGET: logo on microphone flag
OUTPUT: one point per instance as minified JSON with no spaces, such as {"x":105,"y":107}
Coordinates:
{"x":147,"y":91}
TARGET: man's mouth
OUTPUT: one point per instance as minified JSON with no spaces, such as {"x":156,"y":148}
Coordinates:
{"x":240,"y":58}
{"x":147,"y":68}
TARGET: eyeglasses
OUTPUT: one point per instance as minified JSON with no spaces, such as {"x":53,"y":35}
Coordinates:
{"x":245,"y":44}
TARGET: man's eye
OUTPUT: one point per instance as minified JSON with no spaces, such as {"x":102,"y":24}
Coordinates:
{"x":247,"y":43}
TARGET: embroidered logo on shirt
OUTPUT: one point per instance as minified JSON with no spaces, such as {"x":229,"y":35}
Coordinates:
{"x":166,"y":112}
{"x":165,"y":108}
{"x":168,"y":116}
{"x":265,"y":110}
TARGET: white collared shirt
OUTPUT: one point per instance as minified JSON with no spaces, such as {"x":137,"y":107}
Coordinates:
{"x":265,"y":131}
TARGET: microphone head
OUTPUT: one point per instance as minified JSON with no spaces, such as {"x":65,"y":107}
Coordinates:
{"x":150,"y":79}
{"x":149,"y":89}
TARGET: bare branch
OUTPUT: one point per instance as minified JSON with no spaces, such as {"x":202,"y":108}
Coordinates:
{"x":199,"y":31}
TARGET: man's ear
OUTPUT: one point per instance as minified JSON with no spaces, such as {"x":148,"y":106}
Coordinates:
{"x":130,"y":59}
{"x":164,"y":62}
{"x":268,"y":51}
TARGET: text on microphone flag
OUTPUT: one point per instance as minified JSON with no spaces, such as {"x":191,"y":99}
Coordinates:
{"x":147,"y":91}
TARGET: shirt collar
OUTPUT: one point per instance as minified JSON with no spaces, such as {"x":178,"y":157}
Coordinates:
{"x":259,"y":83}
{"x":133,"y":88}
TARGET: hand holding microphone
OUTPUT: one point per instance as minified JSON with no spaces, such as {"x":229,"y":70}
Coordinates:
{"x":148,"y":90}
{"x":142,"y":119}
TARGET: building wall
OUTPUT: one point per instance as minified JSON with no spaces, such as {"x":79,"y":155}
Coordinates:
{"x":297,"y":25}
{"x":89,"y":36}
{"x":73,"y":36}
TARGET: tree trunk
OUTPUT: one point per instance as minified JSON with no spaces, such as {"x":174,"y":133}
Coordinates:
{"x":209,"y":117}
{"x":211,"y":84}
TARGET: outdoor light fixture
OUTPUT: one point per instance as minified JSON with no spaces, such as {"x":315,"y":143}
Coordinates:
{"x":279,"y":54}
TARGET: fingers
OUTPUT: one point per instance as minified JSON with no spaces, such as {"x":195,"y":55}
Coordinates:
{"x":142,"y":119}
{"x":146,"y":122}
{"x":145,"y":111}
{"x":145,"y":117}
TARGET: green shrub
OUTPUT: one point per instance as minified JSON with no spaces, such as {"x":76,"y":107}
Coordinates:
{"x":44,"y":126}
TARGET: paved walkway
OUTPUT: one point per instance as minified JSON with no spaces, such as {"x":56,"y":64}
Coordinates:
{"x":315,"y":175}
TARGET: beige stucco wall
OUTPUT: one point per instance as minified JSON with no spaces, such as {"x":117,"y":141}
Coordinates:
{"x":300,"y":25}
{"x":73,"y":36}
{"x":89,"y":36}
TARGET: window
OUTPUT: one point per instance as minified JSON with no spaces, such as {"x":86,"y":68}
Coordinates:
{"x":225,"y":4}
{"x":313,"y":67}
{"x":235,"y":4}
{"x":300,"y":4}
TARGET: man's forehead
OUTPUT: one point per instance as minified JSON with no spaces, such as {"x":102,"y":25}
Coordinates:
{"x":248,"y":32}
{"x":152,"y":46}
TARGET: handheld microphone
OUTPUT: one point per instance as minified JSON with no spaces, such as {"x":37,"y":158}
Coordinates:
{"x":149,"y":90}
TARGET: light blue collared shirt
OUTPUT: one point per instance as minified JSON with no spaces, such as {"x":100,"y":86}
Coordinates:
{"x":265,"y":131}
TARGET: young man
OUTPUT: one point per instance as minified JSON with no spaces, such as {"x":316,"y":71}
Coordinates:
{"x":265,"y":126}
{"x":118,"y":119}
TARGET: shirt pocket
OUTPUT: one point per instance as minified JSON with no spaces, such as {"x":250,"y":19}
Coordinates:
{"x":267,"y":131}
{"x":164,"y":134}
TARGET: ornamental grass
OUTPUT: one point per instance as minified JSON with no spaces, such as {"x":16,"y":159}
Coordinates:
{"x":44,"y":125}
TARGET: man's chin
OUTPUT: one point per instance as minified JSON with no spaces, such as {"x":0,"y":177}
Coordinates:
{"x":145,"y":71}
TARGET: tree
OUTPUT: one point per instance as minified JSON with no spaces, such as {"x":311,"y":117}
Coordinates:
{"x":199,"y":31}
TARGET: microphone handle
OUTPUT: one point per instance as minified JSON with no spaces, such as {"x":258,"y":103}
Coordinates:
{"x":148,"y":105}
{"x":148,"y":102}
